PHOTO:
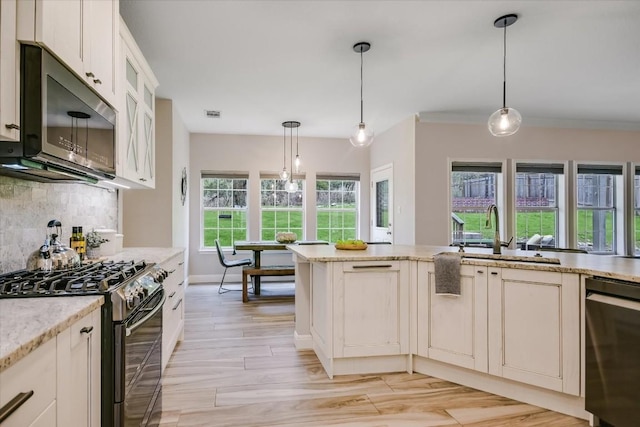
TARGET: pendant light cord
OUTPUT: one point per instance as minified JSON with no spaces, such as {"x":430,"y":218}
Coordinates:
{"x":504,"y":66}
{"x":361,"y":101}
{"x":291,"y":155}
{"x":284,"y":147}
{"x":297,"y":153}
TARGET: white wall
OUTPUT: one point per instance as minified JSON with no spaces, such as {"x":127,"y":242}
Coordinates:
{"x":397,"y":146}
{"x":437,"y":143}
{"x":157,"y":218}
{"x":255,"y":154}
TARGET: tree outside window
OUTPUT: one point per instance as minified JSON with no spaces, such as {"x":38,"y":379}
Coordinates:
{"x":224,"y":210}
{"x":337,"y":209}
{"x":281,"y":211}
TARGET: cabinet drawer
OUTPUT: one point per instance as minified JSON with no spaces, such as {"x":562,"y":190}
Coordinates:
{"x":364,"y":266}
{"x":175,"y":268}
{"x":35,"y":372}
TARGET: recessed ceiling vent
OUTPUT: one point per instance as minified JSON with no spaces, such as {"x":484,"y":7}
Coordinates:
{"x":212,"y":114}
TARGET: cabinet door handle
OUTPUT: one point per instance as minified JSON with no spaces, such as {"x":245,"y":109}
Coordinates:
{"x":12,"y":126}
{"x":172,"y":294}
{"x":495,"y":273}
{"x":172,"y":271}
{"x":86,"y":330}
{"x":90,"y":74}
{"x":355,"y":267}
{"x":143,"y":179}
{"x":181,"y":263}
{"x":14,"y":404}
{"x":175,"y":307}
{"x":181,"y":283}
{"x":97,"y":81}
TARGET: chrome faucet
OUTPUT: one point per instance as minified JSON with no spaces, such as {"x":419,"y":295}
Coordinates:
{"x":497,"y":243}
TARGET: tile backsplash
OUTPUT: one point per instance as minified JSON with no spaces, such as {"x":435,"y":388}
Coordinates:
{"x":27,"y":206}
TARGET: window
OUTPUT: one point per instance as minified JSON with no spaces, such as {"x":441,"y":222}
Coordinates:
{"x":636,"y":210}
{"x":537,"y":199}
{"x":337,"y":200}
{"x":597,"y":197}
{"x":474,"y":187}
{"x":224,"y":209}
{"x":280,"y":210}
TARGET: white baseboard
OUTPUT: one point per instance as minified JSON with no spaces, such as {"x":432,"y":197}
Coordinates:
{"x":302,"y":342}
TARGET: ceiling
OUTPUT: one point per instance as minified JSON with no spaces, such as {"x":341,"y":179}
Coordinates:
{"x":569,"y":63}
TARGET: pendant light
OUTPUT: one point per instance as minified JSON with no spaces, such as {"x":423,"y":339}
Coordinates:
{"x":505,"y":121}
{"x":291,"y":186}
{"x":284,"y":174}
{"x":298,"y":161}
{"x":363,"y":136}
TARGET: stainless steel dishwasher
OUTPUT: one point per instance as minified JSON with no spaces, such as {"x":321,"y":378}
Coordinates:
{"x":612,"y":351}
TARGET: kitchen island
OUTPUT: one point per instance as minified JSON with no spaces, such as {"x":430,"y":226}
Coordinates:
{"x":517,"y":329}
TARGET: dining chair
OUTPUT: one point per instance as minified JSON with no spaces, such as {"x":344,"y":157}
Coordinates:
{"x":229,"y":264}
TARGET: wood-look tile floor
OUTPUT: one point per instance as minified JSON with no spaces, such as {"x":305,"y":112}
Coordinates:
{"x":238,"y":366}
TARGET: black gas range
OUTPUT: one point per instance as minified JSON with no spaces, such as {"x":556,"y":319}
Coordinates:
{"x":131,"y":326}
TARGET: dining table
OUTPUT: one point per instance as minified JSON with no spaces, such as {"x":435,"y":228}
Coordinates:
{"x":257,"y":246}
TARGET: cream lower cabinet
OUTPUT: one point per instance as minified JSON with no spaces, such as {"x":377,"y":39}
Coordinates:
{"x":78,"y":386}
{"x":371,"y":309}
{"x":523,"y":325}
{"x":173,"y":310}
{"x":36,"y":374}
{"x":534,"y":328}
{"x":360,"y":315}
{"x":453,"y":329}
{"x":64,"y":376}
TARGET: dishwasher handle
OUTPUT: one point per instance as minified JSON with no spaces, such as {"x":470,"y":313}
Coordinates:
{"x":615,"y":301}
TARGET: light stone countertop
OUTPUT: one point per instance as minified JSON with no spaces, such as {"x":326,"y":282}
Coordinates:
{"x":598,"y":265}
{"x":26,"y":323}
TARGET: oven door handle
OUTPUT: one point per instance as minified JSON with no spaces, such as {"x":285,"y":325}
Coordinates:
{"x":615,"y":301}
{"x":132,"y":328}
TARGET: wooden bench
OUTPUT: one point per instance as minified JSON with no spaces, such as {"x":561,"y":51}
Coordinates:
{"x":267,"y":270}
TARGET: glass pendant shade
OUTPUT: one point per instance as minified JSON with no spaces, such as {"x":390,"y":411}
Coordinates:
{"x":291,"y":187}
{"x":284,"y":174}
{"x":504,"y":122}
{"x":361,"y":137}
{"x":297,"y":164}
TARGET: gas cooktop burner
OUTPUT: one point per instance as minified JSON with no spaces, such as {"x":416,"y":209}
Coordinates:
{"x":88,"y":279}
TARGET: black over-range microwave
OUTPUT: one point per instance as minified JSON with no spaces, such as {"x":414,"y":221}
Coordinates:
{"x":67,"y":132}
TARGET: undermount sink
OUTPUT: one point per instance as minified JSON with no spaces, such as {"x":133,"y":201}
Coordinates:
{"x":512,"y":258}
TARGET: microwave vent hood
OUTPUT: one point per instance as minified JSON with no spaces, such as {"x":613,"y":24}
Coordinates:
{"x":67,"y":132}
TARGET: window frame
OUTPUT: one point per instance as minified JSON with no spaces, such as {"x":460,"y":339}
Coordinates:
{"x":616,"y":172}
{"x":478,"y":166}
{"x":203,"y":209}
{"x":355,"y":178}
{"x":300,"y":232}
{"x":557,"y":171}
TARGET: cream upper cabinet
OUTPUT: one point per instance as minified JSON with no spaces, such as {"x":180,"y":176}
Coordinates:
{"x":78,"y":388}
{"x":173,"y":309}
{"x":534,"y":328}
{"x":453,"y":329}
{"x":136,"y":120}
{"x":9,"y":75}
{"x":81,"y":33}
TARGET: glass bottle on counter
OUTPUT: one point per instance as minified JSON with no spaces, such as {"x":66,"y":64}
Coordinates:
{"x":83,"y":244}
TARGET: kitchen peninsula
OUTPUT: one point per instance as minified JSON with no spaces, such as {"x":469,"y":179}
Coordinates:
{"x":517,"y":329}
